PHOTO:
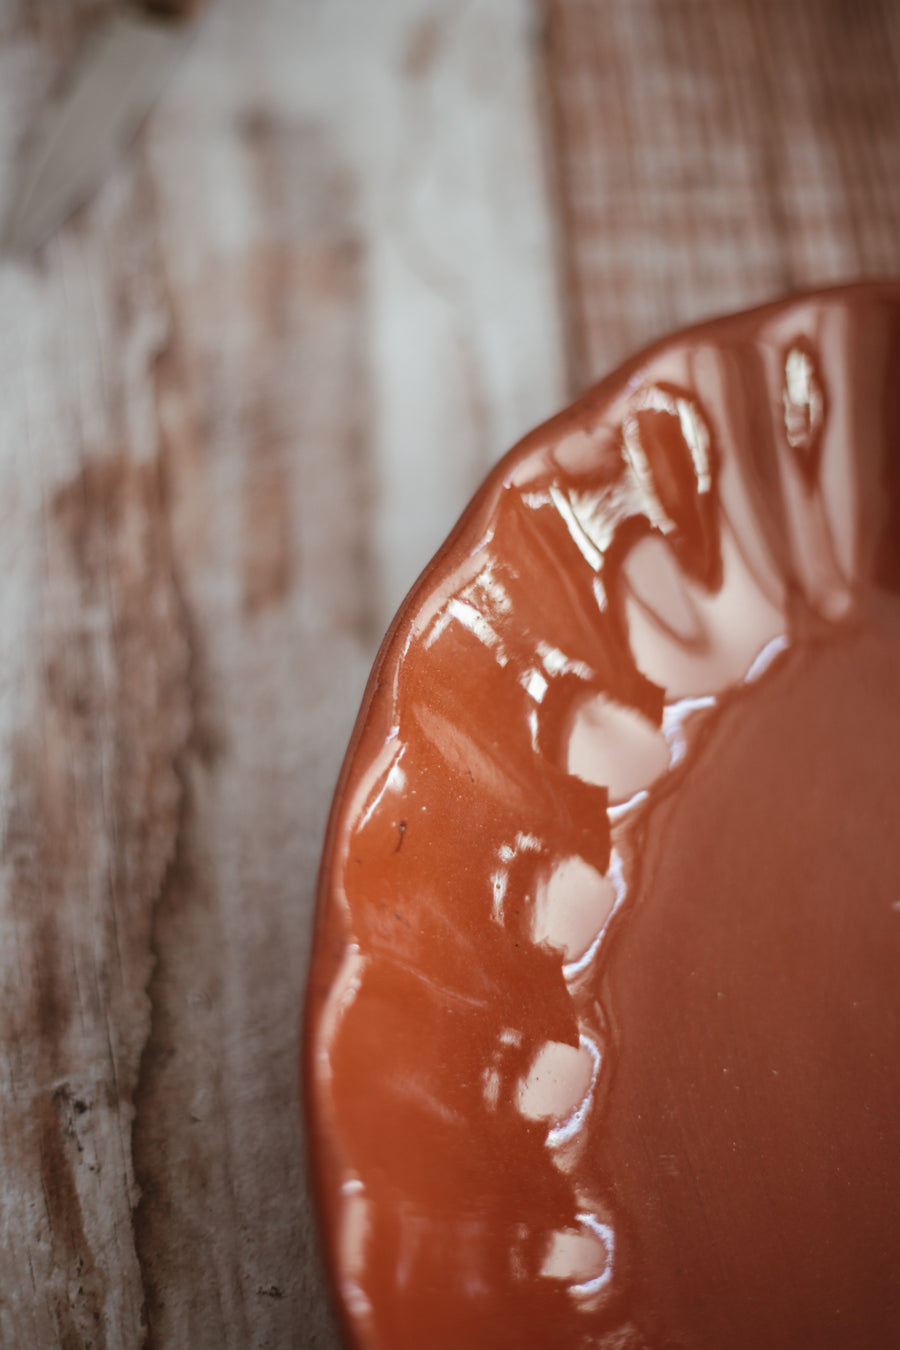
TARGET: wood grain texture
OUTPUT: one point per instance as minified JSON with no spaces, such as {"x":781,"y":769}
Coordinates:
{"x":245,"y":393}
{"x":713,"y":155}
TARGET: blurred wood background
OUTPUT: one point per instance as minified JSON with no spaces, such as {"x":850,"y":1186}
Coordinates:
{"x":355,"y":253}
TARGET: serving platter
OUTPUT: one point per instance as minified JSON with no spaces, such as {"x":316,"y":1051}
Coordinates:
{"x":602,"y":1041}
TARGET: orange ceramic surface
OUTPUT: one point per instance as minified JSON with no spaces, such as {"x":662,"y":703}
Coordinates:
{"x":602,"y":1044}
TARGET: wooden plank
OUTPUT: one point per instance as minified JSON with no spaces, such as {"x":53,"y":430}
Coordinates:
{"x":714,"y":155}
{"x":245,"y":393}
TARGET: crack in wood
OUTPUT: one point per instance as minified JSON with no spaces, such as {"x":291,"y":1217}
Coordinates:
{"x":178,"y":887}
{"x":181,"y":884}
{"x":88,"y":831}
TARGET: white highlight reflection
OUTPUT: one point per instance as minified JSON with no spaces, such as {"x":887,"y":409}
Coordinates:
{"x":803,"y":401}
{"x":572,"y":969}
{"x":478,"y":625}
{"x":607,"y":1236}
{"x":764,"y":659}
{"x":568,"y":1128}
{"x":588,"y":550}
{"x":674,"y":716}
{"x":617,"y":813}
{"x":572,"y":1254}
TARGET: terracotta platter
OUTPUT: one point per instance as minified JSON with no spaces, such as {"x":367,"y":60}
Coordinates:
{"x":602,"y":1044}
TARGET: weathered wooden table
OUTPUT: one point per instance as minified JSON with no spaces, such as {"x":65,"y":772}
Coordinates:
{"x":358,"y":250}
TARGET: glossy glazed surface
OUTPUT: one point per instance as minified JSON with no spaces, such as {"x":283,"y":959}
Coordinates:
{"x":603,"y":1026}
